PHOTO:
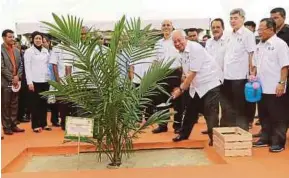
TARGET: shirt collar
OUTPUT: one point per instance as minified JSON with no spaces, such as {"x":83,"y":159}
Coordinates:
{"x":8,"y":47}
{"x":240,"y":31}
{"x":220,"y":39}
{"x":187,"y":49}
{"x":271,"y":39}
{"x":163,"y":39}
{"x":43,"y":50}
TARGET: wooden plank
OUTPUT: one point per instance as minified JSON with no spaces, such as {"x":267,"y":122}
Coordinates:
{"x":230,"y":134}
{"x":232,"y":145}
{"x":232,"y":153}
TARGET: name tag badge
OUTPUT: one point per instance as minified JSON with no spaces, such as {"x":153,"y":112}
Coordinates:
{"x":270,"y":48}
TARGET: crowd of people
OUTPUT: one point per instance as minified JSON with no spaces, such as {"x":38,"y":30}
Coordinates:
{"x":208,"y":78}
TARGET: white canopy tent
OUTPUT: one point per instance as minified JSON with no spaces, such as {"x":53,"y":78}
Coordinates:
{"x":33,"y":11}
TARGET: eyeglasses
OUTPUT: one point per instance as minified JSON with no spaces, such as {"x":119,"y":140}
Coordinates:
{"x":261,"y":30}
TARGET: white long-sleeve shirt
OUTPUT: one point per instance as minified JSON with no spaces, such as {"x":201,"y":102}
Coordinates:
{"x":36,"y":65}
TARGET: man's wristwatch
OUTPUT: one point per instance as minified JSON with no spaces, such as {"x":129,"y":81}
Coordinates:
{"x":282,"y":82}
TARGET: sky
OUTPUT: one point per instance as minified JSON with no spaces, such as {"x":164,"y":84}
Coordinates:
{"x":12,"y":11}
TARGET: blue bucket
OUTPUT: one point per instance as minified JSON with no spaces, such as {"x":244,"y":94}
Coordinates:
{"x":252,"y":94}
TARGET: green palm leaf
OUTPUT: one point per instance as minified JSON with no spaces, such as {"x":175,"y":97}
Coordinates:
{"x":102,"y":87}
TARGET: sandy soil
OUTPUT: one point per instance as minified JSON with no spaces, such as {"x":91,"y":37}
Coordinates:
{"x":138,"y":159}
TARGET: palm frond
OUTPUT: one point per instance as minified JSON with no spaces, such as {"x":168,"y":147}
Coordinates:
{"x":102,"y":88}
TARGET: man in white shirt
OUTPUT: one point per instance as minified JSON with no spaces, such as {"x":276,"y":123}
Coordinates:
{"x":271,"y":61}
{"x":203,"y":80}
{"x":238,"y":57}
{"x":282,"y":31}
{"x":216,"y":47}
{"x":60,"y":60}
{"x":71,"y":69}
{"x":165,"y":51}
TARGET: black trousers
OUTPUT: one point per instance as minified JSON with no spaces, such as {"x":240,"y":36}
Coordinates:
{"x":234,"y":104}
{"x":9,"y":108}
{"x":223,"y":119}
{"x":287,"y":102}
{"x":65,"y":109}
{"x":208,"y":105}
{"x":172,"y":81}
{"x":24,"y":104}
{"x":39,"y":105}
{"x":251,"y":111}
{"x":54,"y":113}
{"x":274,"y":119}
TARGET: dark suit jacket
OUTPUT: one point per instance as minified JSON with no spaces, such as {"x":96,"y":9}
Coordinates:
{"x":7,"y":67}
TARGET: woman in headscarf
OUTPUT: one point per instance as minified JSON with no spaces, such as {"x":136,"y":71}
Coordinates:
{"x":36,"y":68}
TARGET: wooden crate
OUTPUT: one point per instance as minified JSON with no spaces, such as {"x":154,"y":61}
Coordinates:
{"x":232,"y":141}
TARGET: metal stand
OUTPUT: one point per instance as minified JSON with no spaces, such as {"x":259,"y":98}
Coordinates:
{"x":78,"y":151}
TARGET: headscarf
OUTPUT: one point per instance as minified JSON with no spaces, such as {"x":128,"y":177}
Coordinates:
{"x":33,"y":35}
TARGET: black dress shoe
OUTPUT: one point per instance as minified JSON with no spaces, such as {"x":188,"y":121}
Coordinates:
{"x":205,"y":132}
{"x":160,"y":130}
{"x":17,"y":129}
{"x":179,"y":138}
{"x":276,"y":148}
{"x":8,"y":132}
{"x":47,"y":128}
{"x":260,"y":143}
